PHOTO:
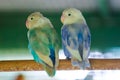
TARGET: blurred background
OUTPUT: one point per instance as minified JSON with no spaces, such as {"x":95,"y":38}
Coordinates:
{"x":102,"y":16}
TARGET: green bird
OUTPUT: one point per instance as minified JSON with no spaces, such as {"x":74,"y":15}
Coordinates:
{"x":44,"y":43}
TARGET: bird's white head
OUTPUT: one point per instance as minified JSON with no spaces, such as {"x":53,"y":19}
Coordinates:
{"x":35,"y":19}
{"x":72,"y":15}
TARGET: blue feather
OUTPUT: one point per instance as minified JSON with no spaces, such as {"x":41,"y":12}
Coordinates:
{"x":80,"y":37}
{"x":69,"y":32}
{"x":64,"y":42}
{"x":52,"y":55}
{"x":35,"y":56}
{"x":66,"y":52}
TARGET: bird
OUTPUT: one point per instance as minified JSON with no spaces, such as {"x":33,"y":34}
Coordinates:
{"x":76,"y":37}
{"x":43,"y":42}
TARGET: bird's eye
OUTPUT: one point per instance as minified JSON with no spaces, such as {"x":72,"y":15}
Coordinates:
{"x":69,"y":14}
{"x":31,"y":18}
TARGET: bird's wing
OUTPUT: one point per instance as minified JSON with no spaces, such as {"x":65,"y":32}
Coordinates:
{"x":40,"y":43}
{"x":65,"y":33}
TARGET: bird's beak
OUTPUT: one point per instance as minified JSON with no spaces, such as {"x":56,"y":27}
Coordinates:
{"x":27,"y":24}
{"x":62,"y":18}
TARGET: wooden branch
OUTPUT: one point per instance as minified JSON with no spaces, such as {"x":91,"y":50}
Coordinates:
{"x":30,"y":65}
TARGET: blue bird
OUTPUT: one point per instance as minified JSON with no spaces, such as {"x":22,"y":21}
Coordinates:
{"x":76,"y":37}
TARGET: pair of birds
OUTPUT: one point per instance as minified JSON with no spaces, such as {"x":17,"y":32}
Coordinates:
{"x":44,"y":43}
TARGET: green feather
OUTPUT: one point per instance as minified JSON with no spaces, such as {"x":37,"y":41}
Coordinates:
{"x":51,"y":71}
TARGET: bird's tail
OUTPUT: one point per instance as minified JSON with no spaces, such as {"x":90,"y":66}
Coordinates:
{"x":85,"y":64}
{"x":50,"y":70}
{"x":81,"y":64}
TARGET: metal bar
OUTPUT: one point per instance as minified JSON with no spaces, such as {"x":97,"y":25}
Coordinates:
{"x":30,"y":65}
